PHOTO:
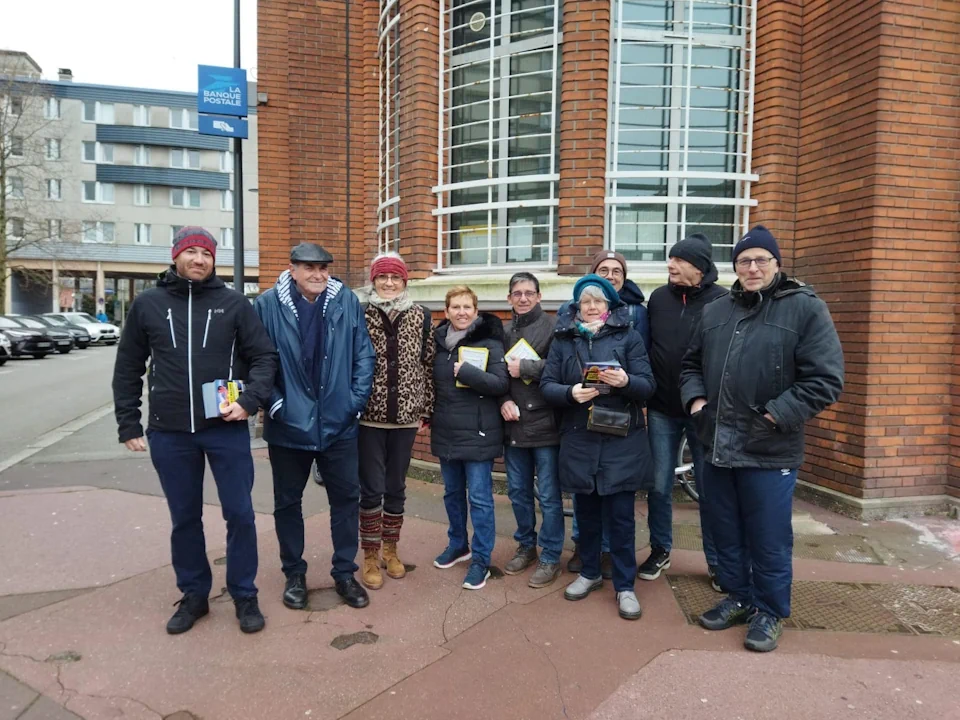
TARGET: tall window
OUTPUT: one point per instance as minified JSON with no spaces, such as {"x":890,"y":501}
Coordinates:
{"x":679,"y":136}
{"x":16,"y":146}
{"x":141,"y":195}
{"x":141,"y":234}
{"x":14,"y":187}
{"x":226,"y":161}
{"x":53,"y":148}
{"x":498,"y":95}
{"x":54,"y":190}
{"x":141,"y":115}
{"x":141,"y":155}
{"x":226,"y":199}
{"x":226,"y":238}
{"x":51,"y":108}
{"x":389,"y":185}
{"x":54,"y":230}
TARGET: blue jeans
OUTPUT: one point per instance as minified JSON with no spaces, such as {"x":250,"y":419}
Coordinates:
{"x":521,"y":463}
{"x":575,"y":530}
{"x":753,"y":532}
{"x":463,"y":480}
{"x":179,"y":458}
{"x":665,"y":435}
{"x":339,"y":466}
{"x":614,"y":513}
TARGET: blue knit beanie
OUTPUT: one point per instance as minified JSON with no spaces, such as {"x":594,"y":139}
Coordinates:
{"x":759,"y":237}
{"x":609,"y":292}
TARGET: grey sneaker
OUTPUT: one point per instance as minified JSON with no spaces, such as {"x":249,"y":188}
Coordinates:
{"x":544,"y":575}
{"x":629,"y":605}
{"x":581,"y":587}
{"x":522,"y":559}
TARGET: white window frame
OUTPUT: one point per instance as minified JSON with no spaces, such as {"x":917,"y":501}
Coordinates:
{"x":186,"y":198}
{"x":388,"y":208}
{"x":51,"y":108}
{"x":226,"y":238}
{"x":496,"y":52}
{"x":105,"y":193}
{"x":226,"y":200}
{"x":103,"y":113}
{"x":142,"y":195}
{"x":54,"y":189}
{"x":226,"y":161}
{"x":15,"y":187}
{"x":16,"y":146}
{"x":185,"y":116}
{"x":100,"y":152}
{"x":141,"y":115}
{"x":101,"y":230}
{"x":684,"y":38}
{"x":53,"y":149}
{"x":55,"y":230}
{"x":142,"y":234}
{"x":141,"y":155}
{"x":185,"y":154}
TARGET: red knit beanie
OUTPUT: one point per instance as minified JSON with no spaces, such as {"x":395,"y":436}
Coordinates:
{"x":192,"y":236}
{"x":385,"y":265}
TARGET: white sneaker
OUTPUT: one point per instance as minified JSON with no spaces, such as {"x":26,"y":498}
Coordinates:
{"x":629,"y":605}
{"x":581,"y":587}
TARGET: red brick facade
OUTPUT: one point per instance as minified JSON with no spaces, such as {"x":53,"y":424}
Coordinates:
{"x":856,"y":142}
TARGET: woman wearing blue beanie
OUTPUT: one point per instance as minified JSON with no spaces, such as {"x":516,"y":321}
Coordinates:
{"x":604,"y":453}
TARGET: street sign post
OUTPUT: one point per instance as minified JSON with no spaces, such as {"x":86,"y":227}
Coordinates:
{"x":223,"y":125}
{"x":222,"y":90}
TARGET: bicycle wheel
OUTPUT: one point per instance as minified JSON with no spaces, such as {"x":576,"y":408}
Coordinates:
{"x":684,"y":470}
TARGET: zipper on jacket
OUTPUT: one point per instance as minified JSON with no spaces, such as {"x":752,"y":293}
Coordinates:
{"x":193,"y":427}
{"x":233,"y":346}
{"x":207,"y":328}
{"x":173,"y":335}
{"x":723,"y":375}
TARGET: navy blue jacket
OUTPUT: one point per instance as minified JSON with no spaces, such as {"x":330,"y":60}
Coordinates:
{"x":590,"y":460}
{"x":300,"y":415}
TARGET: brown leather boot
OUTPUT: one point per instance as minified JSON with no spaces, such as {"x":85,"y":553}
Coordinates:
{"x":370,"y":576}
{"x":391,"y":562}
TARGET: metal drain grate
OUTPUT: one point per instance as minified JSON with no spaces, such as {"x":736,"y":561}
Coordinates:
{"x":846,"y":607}
{"x":835,"y":548}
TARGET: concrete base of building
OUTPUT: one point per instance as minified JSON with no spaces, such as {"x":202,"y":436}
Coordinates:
{"x":877,"y":508}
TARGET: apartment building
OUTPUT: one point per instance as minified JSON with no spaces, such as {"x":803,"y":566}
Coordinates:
{"x":107,"y":175}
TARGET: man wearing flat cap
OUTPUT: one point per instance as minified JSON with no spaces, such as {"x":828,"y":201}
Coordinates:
{"x":674,"y":310}
{"x":322,"y":386}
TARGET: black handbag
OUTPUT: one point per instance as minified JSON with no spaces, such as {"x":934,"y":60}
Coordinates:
{"x":609,"y":421}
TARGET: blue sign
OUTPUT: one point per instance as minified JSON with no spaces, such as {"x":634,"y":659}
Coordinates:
{"x":222,"y":90}
{"x":223,"y":125}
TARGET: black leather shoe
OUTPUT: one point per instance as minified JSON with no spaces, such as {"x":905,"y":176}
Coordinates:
{"x":190,"y":609}
{"x":352,"y":592}
{"x":249,"y":615}
{"x":295,"y":592}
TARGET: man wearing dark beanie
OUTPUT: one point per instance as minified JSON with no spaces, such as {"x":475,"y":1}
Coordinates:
{"x":764,"y":360}
{"x":674,"y":310}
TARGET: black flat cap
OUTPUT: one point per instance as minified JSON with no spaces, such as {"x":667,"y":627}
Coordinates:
{"x":310,"y":253}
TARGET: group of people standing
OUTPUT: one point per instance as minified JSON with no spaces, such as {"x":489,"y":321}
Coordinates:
{"x":592,"y":402}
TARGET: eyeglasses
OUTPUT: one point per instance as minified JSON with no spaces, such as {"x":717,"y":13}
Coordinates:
{"x":520,"y":294}
{"x":395,"y":279}
{"x":605,"y":272}
{"x":761,"y":262}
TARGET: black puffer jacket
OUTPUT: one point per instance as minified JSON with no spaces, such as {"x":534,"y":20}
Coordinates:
{"x":590,"y":460}
{"x":773,"y":352}
{"x":193,"y":333}
{"x":466,"y":421}
{"x":674,"y":312}
{"x":537,"y":426}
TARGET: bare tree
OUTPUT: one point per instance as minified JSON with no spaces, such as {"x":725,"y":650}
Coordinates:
{"x":31,"y":170}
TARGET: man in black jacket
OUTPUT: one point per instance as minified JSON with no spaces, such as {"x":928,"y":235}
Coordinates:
{"x":532,"y":439}
{"x":763,"y":361}
{"x":674,"y":310}
{"x":195,"y":330}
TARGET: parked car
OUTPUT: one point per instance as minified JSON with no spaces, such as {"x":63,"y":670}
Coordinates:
{"x":81,"y":337}
{"x":24,"y":341}
{"x":6,"y":350}
{"x":62,"y":339}
{"x":100,"y":333}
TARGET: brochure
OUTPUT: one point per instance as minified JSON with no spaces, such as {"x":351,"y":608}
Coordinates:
{"x":523,"y":351}
{"x":218,"y":394}
{"x":591,"y":375}
{"x":476,"y":356}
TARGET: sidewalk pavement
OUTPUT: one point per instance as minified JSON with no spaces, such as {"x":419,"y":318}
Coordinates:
{"x":87,"y":589}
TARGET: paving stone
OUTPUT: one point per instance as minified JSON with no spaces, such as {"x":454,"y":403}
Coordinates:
{"x":14,"y":697}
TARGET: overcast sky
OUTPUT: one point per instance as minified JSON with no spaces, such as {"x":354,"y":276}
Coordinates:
{"x":129,"y":42}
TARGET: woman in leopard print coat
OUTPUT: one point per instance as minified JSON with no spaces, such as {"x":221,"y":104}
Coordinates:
{"x":400,"y":406}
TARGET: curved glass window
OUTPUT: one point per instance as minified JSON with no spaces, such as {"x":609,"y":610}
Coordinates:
{"x":681,"y":113}
{"x":388,"y":205}
{"x":497,"y":192}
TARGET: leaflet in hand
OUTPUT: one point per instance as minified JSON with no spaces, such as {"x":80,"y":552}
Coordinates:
{"x":523,"y":351}
{"x":476,"y":356}
{"x":217,"y":396}
{"x":591,"y":375}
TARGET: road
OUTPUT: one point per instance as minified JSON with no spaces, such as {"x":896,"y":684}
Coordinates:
{"x":39,"y":396}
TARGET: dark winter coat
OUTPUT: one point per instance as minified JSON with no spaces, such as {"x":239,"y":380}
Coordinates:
{"x":590,"y":460}
{"x":674,"y":312}
{"x":300,"y":415}
{"x":632,"y":296}
{"x":774,"y":352}
{"x":466,"y":421}
{"x":537,"y":426}
{"x":193,"y":333}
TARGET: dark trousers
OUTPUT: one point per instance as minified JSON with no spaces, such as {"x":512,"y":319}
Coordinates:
{"x":291,"y":470}
{"x":751,"y":512}
{"x":613,"y":513}
{"x":180,"y":458}
{"x":384,"y":461}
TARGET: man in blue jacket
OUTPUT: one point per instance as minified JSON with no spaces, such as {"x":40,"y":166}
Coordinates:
{"x":322,"y":386}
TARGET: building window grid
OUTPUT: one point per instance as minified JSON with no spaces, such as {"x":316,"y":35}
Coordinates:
{"x":509,"y":201}
{"x":388,"y":210}
{"x":681,"y":29}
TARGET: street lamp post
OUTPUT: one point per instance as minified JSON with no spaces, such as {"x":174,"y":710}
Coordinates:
{"x":238,"y":283}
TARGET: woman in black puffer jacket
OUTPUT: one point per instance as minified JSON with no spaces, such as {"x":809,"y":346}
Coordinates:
{"x":467,"y":430}
{"x":604,"y":470}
